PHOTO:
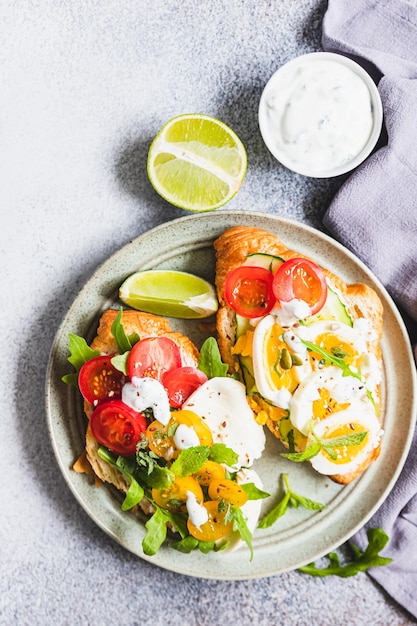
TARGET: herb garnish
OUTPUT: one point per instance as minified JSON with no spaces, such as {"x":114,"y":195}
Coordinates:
{"x":377,"y":540}
{"x":290,"y":499}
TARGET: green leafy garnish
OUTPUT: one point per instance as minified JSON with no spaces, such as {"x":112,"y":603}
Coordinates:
{"x":328,"y":446}
{"x":332,"y":359}
{"x":290,"y":498}
{"x":120,"y":362}
{"x":239,"y":525}
{"x":220,"y":453}
{"x":190,"y":460}
{"x":123,"y":342}
{"x":210,"y":362}
{"x":253,"y":492}
{"x":156,"y":528}
{"x":362,"y":561}
{"x":80,"y":353}
{"x":135,"y":492}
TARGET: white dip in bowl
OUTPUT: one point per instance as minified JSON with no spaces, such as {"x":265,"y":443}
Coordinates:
{"x":320,"y":114}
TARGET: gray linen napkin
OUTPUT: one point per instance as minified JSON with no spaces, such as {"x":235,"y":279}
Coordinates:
{"x":374,"y":214}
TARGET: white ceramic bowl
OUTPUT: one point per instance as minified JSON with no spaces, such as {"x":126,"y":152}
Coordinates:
{"x":320,"y":114}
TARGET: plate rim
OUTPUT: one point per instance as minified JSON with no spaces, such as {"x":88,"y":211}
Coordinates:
{"x":199,"y":568}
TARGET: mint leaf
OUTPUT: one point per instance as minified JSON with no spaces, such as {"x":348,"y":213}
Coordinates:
{"x":362,"y":561}
{"x":253,"y":492}
{"x":210,"y":362}
{"x":344,"y":440}
{"x":80,"y":353}
{"x":290,"y":498}
{"x":220,"y":453}
{"x":190,"y":460}
{"x":299,"y":457}
{"x":328,"y":446}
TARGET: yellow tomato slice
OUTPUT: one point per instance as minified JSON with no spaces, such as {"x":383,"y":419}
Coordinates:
{"x":228,"y":490}
{"x":189,"y":418}
{"x":161,"y":441}
{"x":209,"y":471}
{"x":174,"y":497}
{"x":215,"y":527}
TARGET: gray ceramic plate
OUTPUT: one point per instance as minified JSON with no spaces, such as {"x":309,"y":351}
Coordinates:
{"x":300,"y":536}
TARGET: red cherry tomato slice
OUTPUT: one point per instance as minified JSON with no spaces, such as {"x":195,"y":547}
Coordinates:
{"x":153,"y":357}
{"x":117,"y":426}
{"x":180,"y":384}
{"x":248,"y":291}
{"x":99,"y":381}
{"x":302,"y":279}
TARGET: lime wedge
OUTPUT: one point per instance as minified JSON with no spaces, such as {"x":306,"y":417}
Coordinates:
{"x":196,"y":162}
{"x":170,"y":293}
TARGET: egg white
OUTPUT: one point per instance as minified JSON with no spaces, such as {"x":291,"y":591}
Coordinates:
{"x":278,"y":397}
{"x":359,"y":413}
{"x":344,"y":389}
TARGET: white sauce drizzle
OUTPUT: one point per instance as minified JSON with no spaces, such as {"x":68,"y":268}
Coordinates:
{"x":197,"y":513}
{"x":147,"y":393}
{"x":185,"y":437}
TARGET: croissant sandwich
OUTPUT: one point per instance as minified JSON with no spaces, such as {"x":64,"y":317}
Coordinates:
{"x":307,"y":347}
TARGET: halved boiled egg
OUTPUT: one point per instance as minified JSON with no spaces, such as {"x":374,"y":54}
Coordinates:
{"x":357,"y":418}
{"x":280,"y":361}
{"x":323,"y":393}
{"x":339,"y":340}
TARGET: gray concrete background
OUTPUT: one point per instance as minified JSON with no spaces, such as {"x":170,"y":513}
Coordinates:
{"x":84,"y":87}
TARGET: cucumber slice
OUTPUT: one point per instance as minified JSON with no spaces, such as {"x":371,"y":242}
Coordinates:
{"x":268,"y":261}
{"x":334,"y":309}
{"x":242,"y":325}
{"x":246,"y":367}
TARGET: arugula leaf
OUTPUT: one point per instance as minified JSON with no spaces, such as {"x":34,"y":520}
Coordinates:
{"x":123,"y":342}
{"x":239,"y":525}
{"x":135,"y":491}
{"x":120,"y":362}
{"x":362,"y":561}
{"x":332,"y":359}
{"x":190,"y":460}
{"x":133,"y":496}
{"x":156,"y":528}
{"x":80,"y":353}
{"x":290,"y":498}
{"x":274,"y":514}
{"x":220,"y":453}
{"x":186,"y":544}
{"x":210,"y":362}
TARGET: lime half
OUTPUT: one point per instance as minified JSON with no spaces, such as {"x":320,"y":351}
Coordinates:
{"x":196,"y":162}
{"x":169,"y":293}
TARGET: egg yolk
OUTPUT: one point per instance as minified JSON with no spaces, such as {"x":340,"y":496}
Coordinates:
{"x":336,"y":346}
{"x":243,"y":345}
{"x":326,"y":405}
{"x":346,"y":454}
{"x":280,"y":377}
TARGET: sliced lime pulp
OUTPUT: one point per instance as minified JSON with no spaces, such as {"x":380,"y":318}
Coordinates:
{"x":170,"y":293}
